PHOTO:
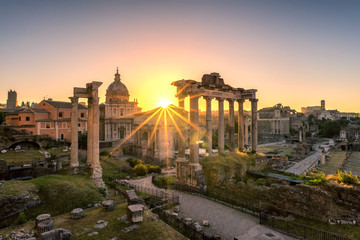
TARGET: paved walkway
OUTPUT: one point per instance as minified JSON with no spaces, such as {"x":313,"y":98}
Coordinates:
{"x":225,"y":221}
{"x":311,"y":161}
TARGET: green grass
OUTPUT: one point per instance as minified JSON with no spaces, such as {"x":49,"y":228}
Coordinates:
{"x":276,"y":150}
{"x":111,"y":168}
{"x":150,"y":228}
{"x":334,"y":162}
{"x":9,"y":188}
{"x":18,"y":158}
{"x":62,"y":193}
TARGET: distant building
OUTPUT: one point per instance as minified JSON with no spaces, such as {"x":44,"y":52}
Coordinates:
{"x":348,"y":115}
{"x":11,"y":102}
{"x":320,"y":112}
{"x":274,"y":120}
{"x":49,"y":117}
{"x":123,"y":125}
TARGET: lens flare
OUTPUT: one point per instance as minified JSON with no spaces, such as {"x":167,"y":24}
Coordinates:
{"x":164,"y":103}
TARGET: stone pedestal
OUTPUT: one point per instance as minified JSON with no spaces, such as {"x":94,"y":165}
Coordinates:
{"x":108,"y":205}
{"x":42,"y":218}
{"x":77,"y":213}
{"x":135,"y":213}
{"x":45,"y":226}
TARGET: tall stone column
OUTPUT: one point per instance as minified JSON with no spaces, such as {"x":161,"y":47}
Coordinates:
{"x":74,"y":161}
{"x":95,"y":164}
{"x":182,"y":126}
{"x":254,"y":126}
{"x":246,"y":132}
{"x":90,"y":132}
{"x":231,"y":125}
{"x":194,"y":133}
{"x":241,"y":133}
{"x":208,"y":125}
{"x":221,"y":127}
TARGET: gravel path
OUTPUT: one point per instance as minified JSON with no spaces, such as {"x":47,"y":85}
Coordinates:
{"x":311,"y":161}
{"x":224,"y":221}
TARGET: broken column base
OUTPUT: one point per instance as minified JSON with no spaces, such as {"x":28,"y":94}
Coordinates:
{"x":190,"y":177}
{"x":74,"y":170}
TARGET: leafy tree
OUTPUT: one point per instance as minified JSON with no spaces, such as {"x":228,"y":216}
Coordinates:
{"x":2,"y":117}
{"x":331,"y":128}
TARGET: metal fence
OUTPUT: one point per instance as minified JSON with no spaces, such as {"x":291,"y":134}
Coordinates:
{"x":298,"y":230}
{"x":160,"y":193}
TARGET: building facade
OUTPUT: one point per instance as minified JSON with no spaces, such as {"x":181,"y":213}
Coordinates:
{"x":52,"y":118}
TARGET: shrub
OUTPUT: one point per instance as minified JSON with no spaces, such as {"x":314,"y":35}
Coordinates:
{"x":21,"y":218}
{"x":165,"y":182}
{"x":154,"y":169}
{"x":316,"y":179}
{"x":133,"y":162}
{"x":140,"y":169}
{"x":347,"y":178}
{"x":105,"y":153}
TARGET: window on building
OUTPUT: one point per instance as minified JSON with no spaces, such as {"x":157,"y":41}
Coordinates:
{"x":27,"y":119}
{"x":62,"y":137}
{"x":122,"y":112}
{"x":47,"y":125}
{"x":19,"y":118}
{"x":82,"y":115}
{"x":79,"y":124}
{"x":31,"y":132}
{"x":61,"y":114}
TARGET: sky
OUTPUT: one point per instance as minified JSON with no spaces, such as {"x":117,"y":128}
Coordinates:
{"x":294,"y":52}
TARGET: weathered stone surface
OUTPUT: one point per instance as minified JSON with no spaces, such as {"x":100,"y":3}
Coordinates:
{"x":15,"y":204}
{"x":56,"y":234}
{"x":108,"y":205}
{"x":42,"y":217}
{"x":101,"y":224}
{"x":133,"y":198}
{"x":132,"y":227}
{"x":77,"y":213}
{"x":93,"y":234}
{"x":45,"y":226}
{"x":135,"y":213}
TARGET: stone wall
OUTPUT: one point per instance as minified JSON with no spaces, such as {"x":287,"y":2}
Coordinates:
{"x":328,"y":202}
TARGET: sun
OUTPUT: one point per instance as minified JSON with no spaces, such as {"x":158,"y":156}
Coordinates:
{"x":164,"y":103}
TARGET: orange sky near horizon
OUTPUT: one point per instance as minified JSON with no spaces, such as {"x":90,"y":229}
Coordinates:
{"x":294,"y":54}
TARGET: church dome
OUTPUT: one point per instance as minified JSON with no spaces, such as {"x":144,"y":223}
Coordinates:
{"x":117,"y":91}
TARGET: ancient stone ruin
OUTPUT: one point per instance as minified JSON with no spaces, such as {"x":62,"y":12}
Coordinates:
{"x":211,"y":87}
{"x":93,"y":161}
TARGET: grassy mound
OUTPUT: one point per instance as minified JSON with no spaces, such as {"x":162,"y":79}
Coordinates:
{"x":62,"y":193}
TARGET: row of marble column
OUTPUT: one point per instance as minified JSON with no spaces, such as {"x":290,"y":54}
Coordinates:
{"x":194,"y":132}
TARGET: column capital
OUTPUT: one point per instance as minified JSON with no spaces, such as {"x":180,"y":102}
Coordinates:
{"x":254,"y":100}
{"x":240,"y":100}
{"x":230,"y":100}
{"x":220,"y":99}
{"x":74,"y":99}
{"x":207,"y":98}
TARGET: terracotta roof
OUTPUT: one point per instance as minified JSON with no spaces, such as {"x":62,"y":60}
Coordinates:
{"x":58,"y":104}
